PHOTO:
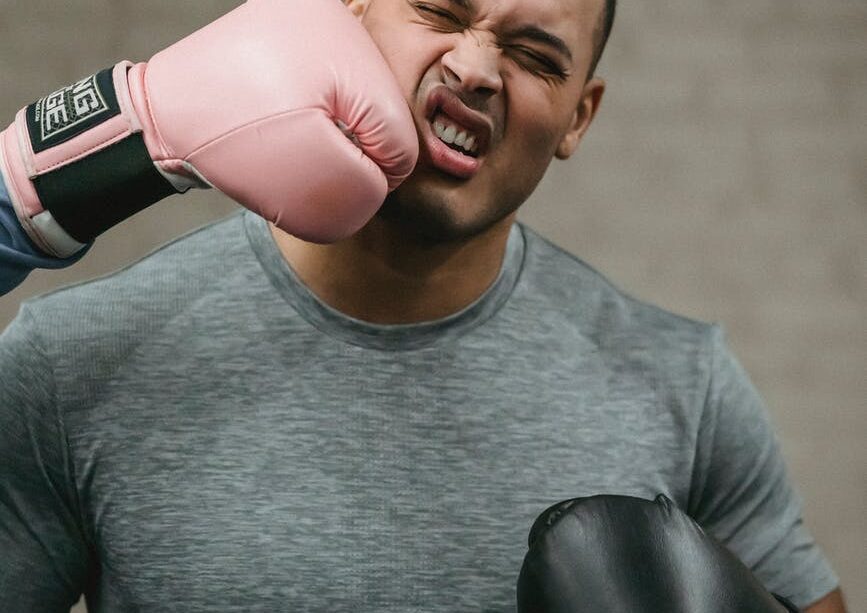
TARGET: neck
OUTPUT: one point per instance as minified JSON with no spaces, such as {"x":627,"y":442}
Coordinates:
{"x":382,"y":276}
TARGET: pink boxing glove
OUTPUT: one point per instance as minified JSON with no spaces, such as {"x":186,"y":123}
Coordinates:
{"x":285,"y":106}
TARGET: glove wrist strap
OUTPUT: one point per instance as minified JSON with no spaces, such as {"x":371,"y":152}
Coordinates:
{"x":79,"y":155}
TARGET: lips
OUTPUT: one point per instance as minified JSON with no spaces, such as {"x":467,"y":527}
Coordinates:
{"x":467,"y":134}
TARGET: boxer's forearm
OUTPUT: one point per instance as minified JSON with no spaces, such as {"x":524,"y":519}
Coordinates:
{"x":18,"y":254}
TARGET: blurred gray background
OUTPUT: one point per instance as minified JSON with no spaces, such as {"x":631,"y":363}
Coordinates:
{"x":725,"y":179}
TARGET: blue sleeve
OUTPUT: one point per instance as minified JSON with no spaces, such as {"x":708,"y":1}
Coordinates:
{"x":18,"y":254}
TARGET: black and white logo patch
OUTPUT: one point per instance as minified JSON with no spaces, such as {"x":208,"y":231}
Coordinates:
{"x":71,"y":110}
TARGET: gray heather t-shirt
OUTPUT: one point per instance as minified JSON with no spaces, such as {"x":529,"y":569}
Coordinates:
{"x":198,"y":432}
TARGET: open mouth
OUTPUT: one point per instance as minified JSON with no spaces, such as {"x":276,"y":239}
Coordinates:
{"x":457,"y":137}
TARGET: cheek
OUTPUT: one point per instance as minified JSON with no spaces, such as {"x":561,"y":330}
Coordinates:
{"x":409,"y":51}
{"x":536,"y":125}
{"x":392,"y":43}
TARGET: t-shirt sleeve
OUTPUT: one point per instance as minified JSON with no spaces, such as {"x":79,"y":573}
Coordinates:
{"x":43,"y":551}
{"x":741,"y":493}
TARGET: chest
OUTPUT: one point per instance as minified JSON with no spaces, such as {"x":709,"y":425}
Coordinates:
{"x":353,"y":484}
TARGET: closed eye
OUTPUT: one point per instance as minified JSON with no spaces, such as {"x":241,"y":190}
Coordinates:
{"x":534,"y":61}
{"x":437,"y":14}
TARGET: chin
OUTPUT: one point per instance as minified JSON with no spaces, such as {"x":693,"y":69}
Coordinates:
{"x":434,"y":218}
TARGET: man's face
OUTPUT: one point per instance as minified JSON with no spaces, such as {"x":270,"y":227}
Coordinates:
{"x":511,"y":75}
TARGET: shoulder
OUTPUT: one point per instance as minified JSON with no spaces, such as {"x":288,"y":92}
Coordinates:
{"x":572,"y":291}
{"x":137,"y":298}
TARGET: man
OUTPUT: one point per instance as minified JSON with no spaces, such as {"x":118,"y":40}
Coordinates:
{"x":246,"y":420}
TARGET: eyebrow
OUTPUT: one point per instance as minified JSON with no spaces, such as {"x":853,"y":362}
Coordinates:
{"x":531,"y":32}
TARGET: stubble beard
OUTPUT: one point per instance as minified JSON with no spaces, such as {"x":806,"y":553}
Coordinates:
{"x":430,"y":218}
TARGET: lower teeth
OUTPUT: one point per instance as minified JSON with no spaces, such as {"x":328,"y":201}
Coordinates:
{"x":457,"y":148}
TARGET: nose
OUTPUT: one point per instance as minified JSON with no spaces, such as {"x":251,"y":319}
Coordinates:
{"x":473,"y":64}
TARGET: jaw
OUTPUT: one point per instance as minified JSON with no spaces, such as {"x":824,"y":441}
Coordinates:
{"x":434,"y":207}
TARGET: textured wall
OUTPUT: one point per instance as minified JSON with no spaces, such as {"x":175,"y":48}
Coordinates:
{"x":725,"y":179}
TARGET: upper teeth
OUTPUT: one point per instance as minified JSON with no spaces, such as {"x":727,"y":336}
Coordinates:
{"x":450,"y":134}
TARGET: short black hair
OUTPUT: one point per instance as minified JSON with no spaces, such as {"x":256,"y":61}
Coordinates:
{"x":603,"y":31}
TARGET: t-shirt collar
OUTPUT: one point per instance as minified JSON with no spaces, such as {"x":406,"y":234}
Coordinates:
{"x":386,"y":337}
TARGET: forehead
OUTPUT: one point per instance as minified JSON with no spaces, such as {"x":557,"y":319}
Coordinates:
{"x":575,"y":21}
{"x":571,"y":10}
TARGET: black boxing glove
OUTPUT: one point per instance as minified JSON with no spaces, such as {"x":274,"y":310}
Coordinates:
{"x":628,"y":555}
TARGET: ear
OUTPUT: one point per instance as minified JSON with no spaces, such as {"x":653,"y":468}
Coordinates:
{"x":591,"y":97}
{"x":357,"y":7}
